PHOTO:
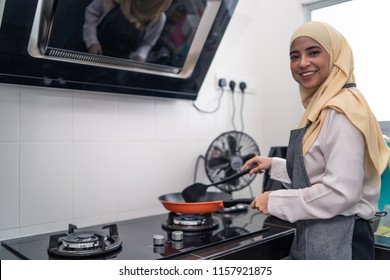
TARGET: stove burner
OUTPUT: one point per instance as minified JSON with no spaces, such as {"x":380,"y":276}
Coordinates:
{"x":190,"y":223}
{"x":189,"y":220}
{"x":82,"y":240}
{"x":84,"y":243}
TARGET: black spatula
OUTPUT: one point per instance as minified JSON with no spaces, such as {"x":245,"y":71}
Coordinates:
{"x":197,"y":191}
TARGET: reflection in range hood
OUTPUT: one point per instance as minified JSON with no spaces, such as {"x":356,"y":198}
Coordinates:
{"x":41,"y":43}
{"x":45,"y":17}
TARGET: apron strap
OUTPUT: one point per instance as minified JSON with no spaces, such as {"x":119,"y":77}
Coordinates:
{"x":349,"y":85}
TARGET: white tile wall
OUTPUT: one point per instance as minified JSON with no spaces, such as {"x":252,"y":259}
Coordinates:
{"x":9,"y":181}
{"x":9,"y":113}
{"x":176,"y":171}
{"x":202,"y":125}
{"x":94,"y":117}
{"x":94,"y":180}
{"x":172,"y":120}
{"x":136,"y":119}
{"x":9,"y":161}
{"x":138,"y":183}
{"x":46,"y":115}
{"x":45,"y":182}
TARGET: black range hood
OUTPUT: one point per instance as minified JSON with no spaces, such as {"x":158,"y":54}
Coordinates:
{"x":40,"y":46}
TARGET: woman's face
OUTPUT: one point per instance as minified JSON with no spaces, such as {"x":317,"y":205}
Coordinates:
{"x":309,"y":62}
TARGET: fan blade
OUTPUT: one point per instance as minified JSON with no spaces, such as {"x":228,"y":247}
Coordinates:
{"x":232,"y":143}
{"x":229,"y":173}
{"x":218,"y":162}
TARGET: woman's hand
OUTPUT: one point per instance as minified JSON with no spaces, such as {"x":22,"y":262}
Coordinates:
{"x":261,"y":203}
{"x":95,"y":49}
{"x":263,"y":163}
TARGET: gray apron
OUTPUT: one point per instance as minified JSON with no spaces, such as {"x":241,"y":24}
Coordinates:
{"x":316,"y":239}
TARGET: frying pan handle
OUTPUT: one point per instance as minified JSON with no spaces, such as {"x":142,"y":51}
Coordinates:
{"x":230,"y":203}
{"x":237,"y":175}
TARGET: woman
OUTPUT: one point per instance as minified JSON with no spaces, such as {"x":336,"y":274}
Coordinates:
{"x":335,"y":157}
{"x":124,"y":28}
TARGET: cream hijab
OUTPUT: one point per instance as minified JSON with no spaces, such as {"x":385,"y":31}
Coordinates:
{"x":331,"y":94}
{"x":141,"y":11}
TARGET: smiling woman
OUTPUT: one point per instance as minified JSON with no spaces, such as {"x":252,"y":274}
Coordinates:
{"x":335,"y":154}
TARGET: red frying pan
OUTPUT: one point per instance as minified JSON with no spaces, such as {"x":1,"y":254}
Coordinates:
{"x":212,"y":202}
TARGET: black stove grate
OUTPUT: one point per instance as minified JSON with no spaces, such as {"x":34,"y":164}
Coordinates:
{"x":82,"y":244}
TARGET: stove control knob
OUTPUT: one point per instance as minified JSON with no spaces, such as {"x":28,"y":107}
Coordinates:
{"x":177,"y":235}
{"x":158,"y":240}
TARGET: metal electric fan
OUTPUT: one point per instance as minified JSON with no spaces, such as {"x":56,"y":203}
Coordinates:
{"x":226,"y":155}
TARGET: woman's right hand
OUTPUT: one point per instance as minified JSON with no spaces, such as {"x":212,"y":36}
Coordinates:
{"x":263,"y":163}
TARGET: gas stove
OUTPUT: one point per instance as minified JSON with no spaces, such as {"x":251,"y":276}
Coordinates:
{"x":245,"y":235}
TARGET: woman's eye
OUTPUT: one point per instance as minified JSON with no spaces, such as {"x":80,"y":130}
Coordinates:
{"x":294,"y":57}
{"x":314,"y":53}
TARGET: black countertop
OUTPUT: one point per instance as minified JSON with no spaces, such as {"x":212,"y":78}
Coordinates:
{"x":246,"y":235}
{"x":7,"y":255}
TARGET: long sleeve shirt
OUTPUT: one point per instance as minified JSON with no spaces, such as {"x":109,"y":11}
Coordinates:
{"x":342,"y":177}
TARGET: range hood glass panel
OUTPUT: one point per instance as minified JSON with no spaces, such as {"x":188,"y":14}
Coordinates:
{"x":40,"y":44}
{"x":188,"y":23}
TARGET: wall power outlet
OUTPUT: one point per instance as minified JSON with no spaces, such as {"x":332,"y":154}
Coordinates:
{"x":250,"y":83}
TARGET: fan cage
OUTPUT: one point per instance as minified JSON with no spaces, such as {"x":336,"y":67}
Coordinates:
{"x":225,"y":156}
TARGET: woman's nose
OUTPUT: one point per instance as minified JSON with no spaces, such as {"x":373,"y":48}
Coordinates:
{"x":304,"y":61}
